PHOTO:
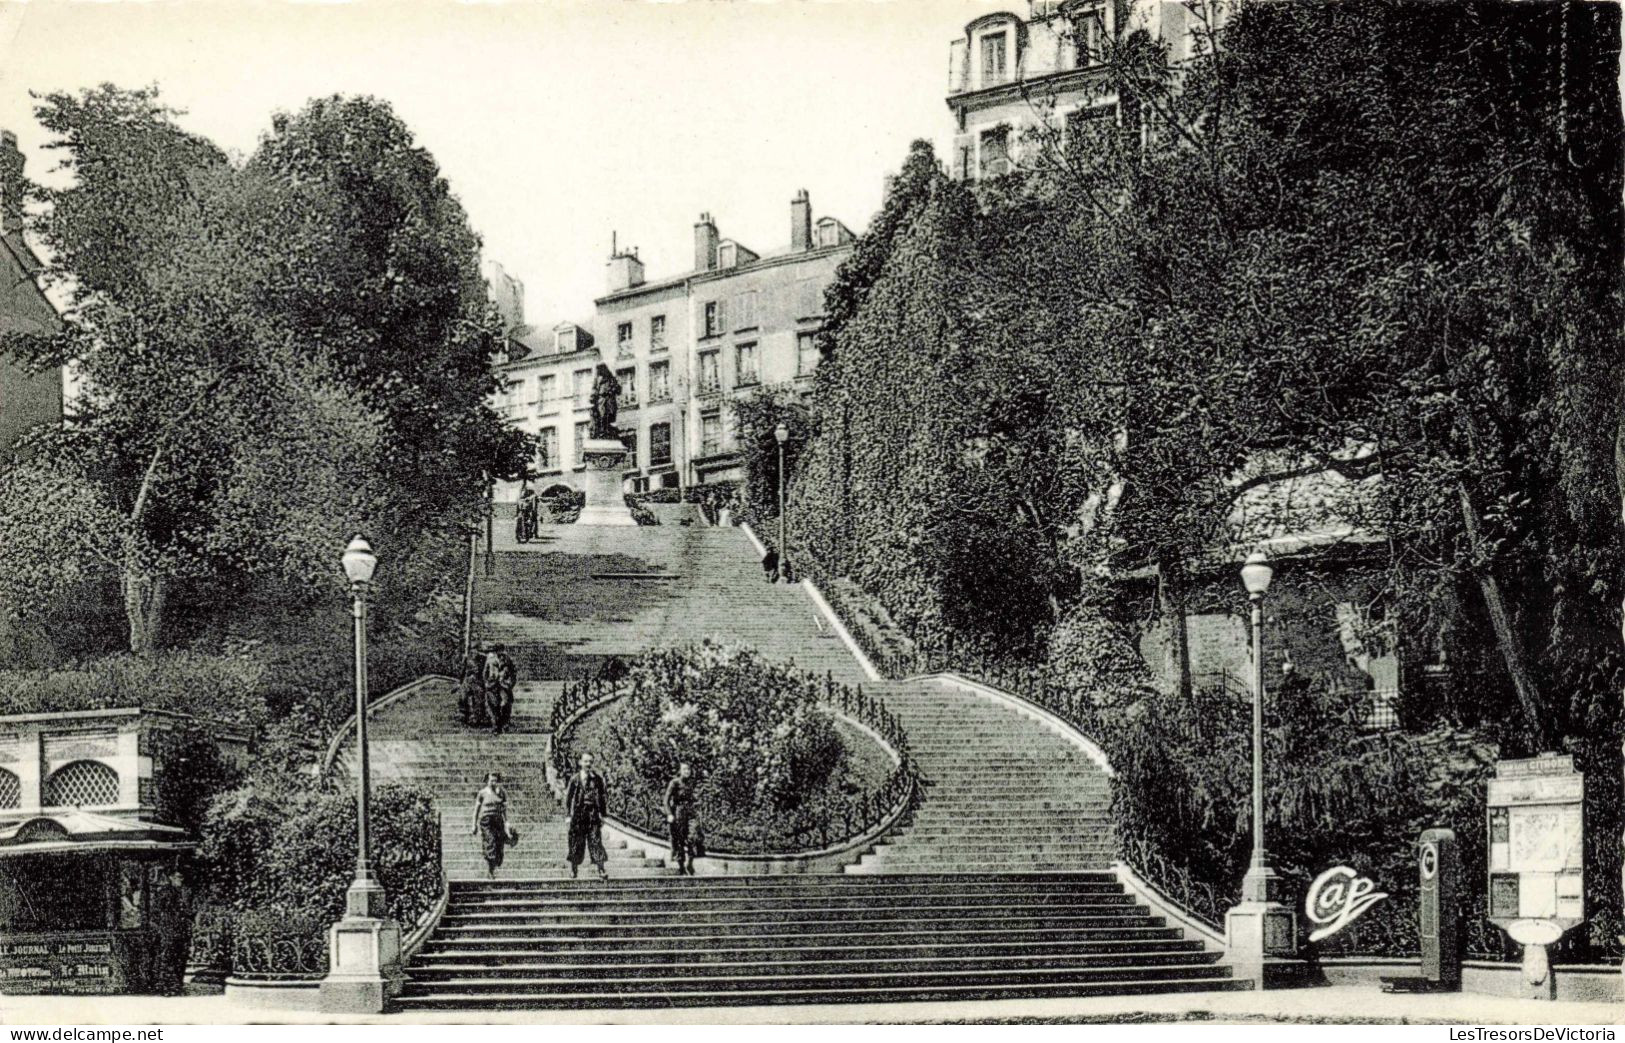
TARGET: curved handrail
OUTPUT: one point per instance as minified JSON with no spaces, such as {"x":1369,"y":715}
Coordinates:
{"x":1158,"y":880}
{"x":395,"y":696}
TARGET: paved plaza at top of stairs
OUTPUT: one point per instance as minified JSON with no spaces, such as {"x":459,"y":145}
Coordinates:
{"x":581,"y":593}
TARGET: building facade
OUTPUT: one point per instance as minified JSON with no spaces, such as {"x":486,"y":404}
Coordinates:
{"x":1018,"y":83}
{"x":682,"y":348}
{"x":27,"y":399}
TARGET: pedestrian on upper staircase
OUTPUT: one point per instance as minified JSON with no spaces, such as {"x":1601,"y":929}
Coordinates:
{"x":491,"y":821}
{"x":500,"y":677}
{"x":471,"y":697}
{"x":679,"y":815}
{"x":585,"y":800}
{"x":770,"y":566}
{"x":786,"y":573}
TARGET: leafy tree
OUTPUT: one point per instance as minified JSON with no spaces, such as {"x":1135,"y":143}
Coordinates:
{"x":209,"y":441}
{"x":273,"y":355}
{"x":381,"y":274}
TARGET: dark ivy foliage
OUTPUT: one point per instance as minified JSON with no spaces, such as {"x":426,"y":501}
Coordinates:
{"x":1386,"y":231}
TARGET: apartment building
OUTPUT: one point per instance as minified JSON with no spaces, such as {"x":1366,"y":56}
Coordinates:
{"x":739,"y":320}
{"x":1017,"y":82}
{"x":682,"y":347}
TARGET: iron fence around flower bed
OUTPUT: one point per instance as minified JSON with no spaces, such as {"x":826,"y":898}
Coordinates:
{"x":812,"y":830}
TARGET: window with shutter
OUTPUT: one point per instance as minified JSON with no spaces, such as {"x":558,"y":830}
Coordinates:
{"x":710,"y":434}
{"x":710,"y":372}
{"x":806,"y":354}
{"x":659,"y":445}
{"x":745,"y":364}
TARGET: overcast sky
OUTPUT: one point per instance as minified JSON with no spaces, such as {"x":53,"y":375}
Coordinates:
{"x":556,"y":123}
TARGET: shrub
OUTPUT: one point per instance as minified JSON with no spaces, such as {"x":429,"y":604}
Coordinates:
{"x":754,"y":731}
{"x":1335,"y":794}
{"x":282,"y":846}
{"x":213,"y":687}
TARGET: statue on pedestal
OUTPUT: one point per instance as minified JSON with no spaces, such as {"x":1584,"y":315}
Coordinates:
{"x":606,"y":403}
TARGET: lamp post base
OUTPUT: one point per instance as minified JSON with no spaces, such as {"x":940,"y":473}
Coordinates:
{"x":364,"y":953}
{"x":364,"y":966}
{"x":365,"y":898}
{"x":1261,"y":929}
{"x":1257,"y":934}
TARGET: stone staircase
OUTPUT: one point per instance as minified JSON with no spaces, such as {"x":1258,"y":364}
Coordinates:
{"x":582,"y":593}
{"x":421,"y":742}
{"x":995,"y":885}
{"x":709,"y":942}
{"x":1002,"y":794}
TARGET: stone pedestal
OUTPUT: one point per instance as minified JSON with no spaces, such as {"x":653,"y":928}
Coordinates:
{"x":606,"y":504}
{"x":364,"y":955}
{"x":1261,"y":930}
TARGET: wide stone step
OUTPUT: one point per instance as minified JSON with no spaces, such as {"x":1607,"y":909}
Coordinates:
{"x":820,"y":904}
{"x":432,"y":970}
{"x":886,"y":947}
{"x":913,"y":895}
{"x":713,"y":887}
{"x":465,"y":995}
{"x":779,"y":922}
{"x":678,"y":937}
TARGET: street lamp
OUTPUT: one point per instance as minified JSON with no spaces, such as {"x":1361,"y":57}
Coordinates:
{"x":359,"y":563}
{"x":1260,"y":927}
{"x":1255,"y":576}
{"x":782,"y":434}
{"x":364,"y":948}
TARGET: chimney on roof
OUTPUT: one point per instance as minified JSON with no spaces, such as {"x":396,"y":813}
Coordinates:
{"x":801,"y":222}
{"x":624,"y":270}
{"x":705,"y":244}
{"x":12,"y":185}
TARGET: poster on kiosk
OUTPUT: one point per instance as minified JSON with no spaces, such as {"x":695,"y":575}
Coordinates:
{"x":1536,"y":891}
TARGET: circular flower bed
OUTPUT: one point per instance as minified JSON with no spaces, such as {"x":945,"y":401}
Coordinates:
{"x":775,"y":768}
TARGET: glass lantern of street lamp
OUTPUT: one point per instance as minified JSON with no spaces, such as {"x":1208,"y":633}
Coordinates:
{"x":782,"y":433}
{"x":359,"y":561}
{"x":1256,"y":573}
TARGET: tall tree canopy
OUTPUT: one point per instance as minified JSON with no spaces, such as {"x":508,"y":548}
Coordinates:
{"x":1377,"y":238}
{"x":268,"y":359}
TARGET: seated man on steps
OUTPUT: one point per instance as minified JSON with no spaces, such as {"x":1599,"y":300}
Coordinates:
{"x":585,"y":800}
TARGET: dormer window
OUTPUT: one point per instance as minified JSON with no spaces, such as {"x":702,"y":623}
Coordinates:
{"x":1089,"y":33}
{"x":829,"y":232}
{"x":728,"y":255}
{"x":995,"y":58}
